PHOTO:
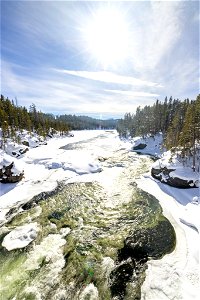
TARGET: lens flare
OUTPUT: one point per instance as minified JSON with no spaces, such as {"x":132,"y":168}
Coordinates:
{"x":107,"y":37}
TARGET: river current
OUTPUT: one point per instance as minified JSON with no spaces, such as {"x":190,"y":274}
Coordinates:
{"x":95,"y":235}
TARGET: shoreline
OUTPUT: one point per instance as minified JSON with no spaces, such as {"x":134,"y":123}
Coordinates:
{"x":180,"y":269}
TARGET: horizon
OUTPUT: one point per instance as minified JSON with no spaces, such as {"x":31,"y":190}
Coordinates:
{"x":96,"y":58}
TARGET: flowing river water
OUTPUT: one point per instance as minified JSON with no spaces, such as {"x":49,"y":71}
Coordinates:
{"x":95,"y":237}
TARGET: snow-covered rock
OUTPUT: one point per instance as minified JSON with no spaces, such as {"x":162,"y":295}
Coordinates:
{"x":151,"y":145}
{"x":83,"y":168}
{"x":20,"y":237}
{"x":10,"y":169}
{"x":169,"y":170}
{"x":15,"y":149}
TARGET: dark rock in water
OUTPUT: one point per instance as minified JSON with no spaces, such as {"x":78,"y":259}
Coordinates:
{"x":56,"y":215}
{"x":153,"y":242}
{"x":139,"y":146}
{"x":119,"y":278}
{"x":163,"y":174}
{"x":7,"y":175}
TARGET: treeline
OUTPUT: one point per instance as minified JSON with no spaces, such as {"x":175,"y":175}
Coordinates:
{"x":179,"y":121}
{"x":84,"y":122}
{"x":15,"y":118}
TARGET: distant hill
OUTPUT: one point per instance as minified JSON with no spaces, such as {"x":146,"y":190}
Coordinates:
{"x":84,"y":122}
{"x":14,"y":118}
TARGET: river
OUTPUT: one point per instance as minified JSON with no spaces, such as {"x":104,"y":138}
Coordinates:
{"x":96,"y":233}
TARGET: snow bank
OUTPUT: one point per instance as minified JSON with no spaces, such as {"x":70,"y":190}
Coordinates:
{"x":178,"y":270}
{"x":153,"y":145}
{"x":20,"y":237}
{"x":169,"y":167}
{"x":44,"y":166}
{"x":25,"y":141}
{"x":191,"y":214}
{"x":15,"y":149}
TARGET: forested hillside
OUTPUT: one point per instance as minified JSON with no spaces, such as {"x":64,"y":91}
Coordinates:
{"x":14,"y":118}
{"x":179,"y":121}
{"x":84,"y":122}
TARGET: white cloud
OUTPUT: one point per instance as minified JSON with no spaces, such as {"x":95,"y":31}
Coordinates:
{"x":157,"y":35}
{"x":111,"y":78}
{"x":60,"y":94}
{"x":133,"y":94}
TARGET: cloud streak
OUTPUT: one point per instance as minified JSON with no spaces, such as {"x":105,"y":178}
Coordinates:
{"x":133,"y":94}
{"x":66,"y":94}
{"x":111,"y":78}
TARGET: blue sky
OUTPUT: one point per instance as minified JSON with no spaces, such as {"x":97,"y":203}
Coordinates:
{"x":74,"y":57}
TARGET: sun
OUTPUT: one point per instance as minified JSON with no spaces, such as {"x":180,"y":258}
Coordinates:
{"x":107,"y":37}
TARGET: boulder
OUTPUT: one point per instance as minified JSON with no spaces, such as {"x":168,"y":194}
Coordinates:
{"x":139,"y":146}
{"x":119,"y":278}
{"x":143,"y":244}
{"x":25,"y":143}
{"x":153,"y":242}
{"x":163,"y":174}
{"x":19,"y":152}
{"x":9,"y":174}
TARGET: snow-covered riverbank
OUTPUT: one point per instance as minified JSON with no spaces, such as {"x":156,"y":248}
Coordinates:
{"x":179,"y":270}
{"x":176,"y":275}
{"x":44,"y":166}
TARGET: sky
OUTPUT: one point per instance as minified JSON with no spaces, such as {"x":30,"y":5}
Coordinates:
{"x":98,"y":58}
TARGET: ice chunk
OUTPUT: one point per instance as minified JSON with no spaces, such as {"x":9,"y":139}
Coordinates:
{"x":20,"y":237}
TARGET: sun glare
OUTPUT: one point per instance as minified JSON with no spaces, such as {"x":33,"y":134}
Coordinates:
{"x":107,"y":37}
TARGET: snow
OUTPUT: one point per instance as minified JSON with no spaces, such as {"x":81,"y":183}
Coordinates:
{"x":20,"y":237}
{"x":154,"y":144}
{"x":44,"y":166}
{"x":178,"y":270}
{"x":6,"y":160}
{"x":171,"y":161}
{"x":191,"y":215}
{"x":47,"y":164}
